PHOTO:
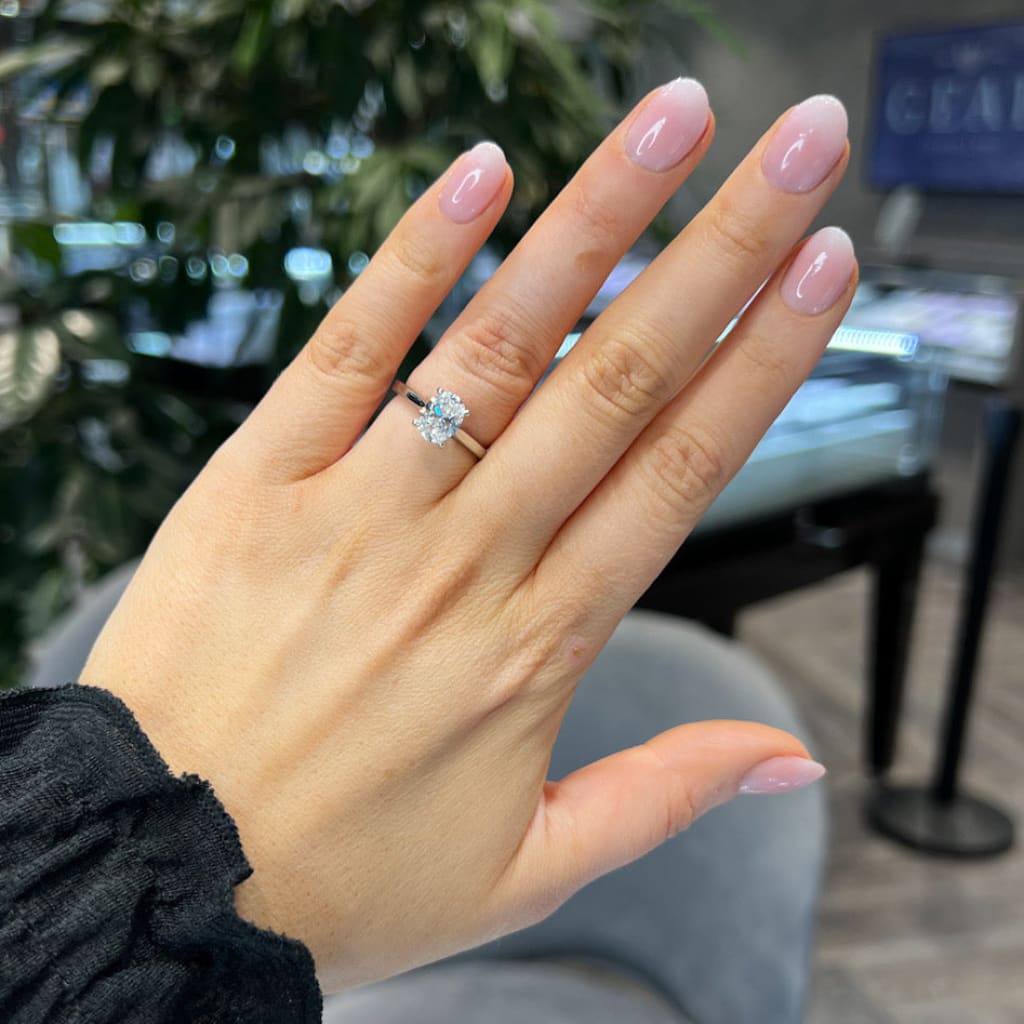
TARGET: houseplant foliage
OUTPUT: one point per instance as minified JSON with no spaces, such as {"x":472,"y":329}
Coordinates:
{"x":306,"y":124}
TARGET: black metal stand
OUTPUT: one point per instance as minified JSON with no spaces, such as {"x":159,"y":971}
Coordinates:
{"x":940,"y":819}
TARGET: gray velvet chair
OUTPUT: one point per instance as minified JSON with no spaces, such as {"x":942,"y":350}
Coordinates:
{"x":714,"y":927}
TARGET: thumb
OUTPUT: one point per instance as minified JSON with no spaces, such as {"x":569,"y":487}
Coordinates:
{"x":615,"y":810}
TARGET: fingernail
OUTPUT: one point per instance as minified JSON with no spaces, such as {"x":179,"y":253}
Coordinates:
{"x":474,"y":182}
{"x":781,"y":775}
{"x":669,"y":125}
{"x":807,"y":145}
{"x":820,"y":272}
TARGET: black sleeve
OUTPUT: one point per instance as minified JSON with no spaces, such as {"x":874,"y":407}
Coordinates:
{"x":116,"y":881}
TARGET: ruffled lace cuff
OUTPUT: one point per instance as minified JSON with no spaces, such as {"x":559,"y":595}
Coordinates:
{"x":116,"y":881}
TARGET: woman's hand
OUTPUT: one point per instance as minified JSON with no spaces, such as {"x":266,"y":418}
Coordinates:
{"x":367,"y":643}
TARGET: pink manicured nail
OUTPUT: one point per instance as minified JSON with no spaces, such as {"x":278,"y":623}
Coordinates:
{"x":782,"y":774}
{"x":807,"y":145}
{"x":474,"y":182}
{"x":669,"y":125}
{"x":820,"y":273}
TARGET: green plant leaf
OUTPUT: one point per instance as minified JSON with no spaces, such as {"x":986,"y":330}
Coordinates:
{"x":37,"y":239}
{"x":47,"y":536}
{"x":389,"y":211}
{"x":491,"y":46}
{"x":373,"y":181}
{"x":380,"y":47}
{"x":703,"y":14}
{"x":53,"y":54}
{"x":205,"y":15}
{"x":88,"y":334}
{"x":250,"y":42}
{"x":29,"y":361}
{"x":45,"y":601}
{"x":147,"y":72}
{"x":289,"y":10}
{"x":106,"y":536}
{"x":108,"y":71}
{"x":407,"y":86}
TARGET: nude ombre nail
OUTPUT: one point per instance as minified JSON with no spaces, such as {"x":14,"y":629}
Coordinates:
{"x":669,"y":125}
{"x":819,"y":273}
{"x":806,"y":145}
{"x":781,"y":775}
{"x":475,"y":181}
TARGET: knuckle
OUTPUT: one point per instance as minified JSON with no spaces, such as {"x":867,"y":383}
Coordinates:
{"x":764,"y":357}
{"x":417,"y":259}
{"x":523,"y":677}
{"x":626,"y":381}
{"x":679,"y":809}
{"x":495,"y":348}
{"x":537,"y":667}
{"x":526,"y":672}
{"x":597,"y":221}
{"x":456,"y":569}
{"x":344,"y":348}
{"x":686,"y":471}
{"x":734,"y":234}
{"x":445,"y":584}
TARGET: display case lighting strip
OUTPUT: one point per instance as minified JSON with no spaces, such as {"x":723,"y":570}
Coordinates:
{"x":875,"y":341}
{"x":118,"y":232}
{"x":872,"y":340}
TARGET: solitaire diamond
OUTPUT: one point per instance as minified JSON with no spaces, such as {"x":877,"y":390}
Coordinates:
{"x":441,"y":417}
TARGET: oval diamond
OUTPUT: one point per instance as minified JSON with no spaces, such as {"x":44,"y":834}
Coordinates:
{"x":441,"y":418}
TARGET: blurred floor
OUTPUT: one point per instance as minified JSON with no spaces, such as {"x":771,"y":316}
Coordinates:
{"x":907,"y":939}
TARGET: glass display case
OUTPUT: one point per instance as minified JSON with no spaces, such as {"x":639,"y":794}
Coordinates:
{"x":870,"y":412}
{"x":973,"y":323}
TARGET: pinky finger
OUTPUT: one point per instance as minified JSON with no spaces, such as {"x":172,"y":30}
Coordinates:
{"x":629,"y":527}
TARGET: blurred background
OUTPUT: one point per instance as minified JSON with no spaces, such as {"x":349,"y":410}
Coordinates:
{"x":186,"y":188}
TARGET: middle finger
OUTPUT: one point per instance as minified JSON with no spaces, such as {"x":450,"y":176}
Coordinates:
{"x":642,"y":349}
{"x":497,"y":349}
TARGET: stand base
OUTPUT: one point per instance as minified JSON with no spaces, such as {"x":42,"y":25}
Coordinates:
{"x":966,"y":827}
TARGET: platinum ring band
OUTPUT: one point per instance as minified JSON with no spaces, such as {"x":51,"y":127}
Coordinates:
{"x":440,"y":418}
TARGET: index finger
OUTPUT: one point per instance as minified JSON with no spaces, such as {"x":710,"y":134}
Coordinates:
{"x":321,"y":403}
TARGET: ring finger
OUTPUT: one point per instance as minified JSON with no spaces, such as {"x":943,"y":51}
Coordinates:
{"x":497,"y":349}
{"x":642,"y":349}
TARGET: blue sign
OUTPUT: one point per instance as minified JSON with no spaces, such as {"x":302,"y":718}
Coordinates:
{"x":949,"y":112}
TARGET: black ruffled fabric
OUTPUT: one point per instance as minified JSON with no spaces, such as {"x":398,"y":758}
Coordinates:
{"x":116,"y":879}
